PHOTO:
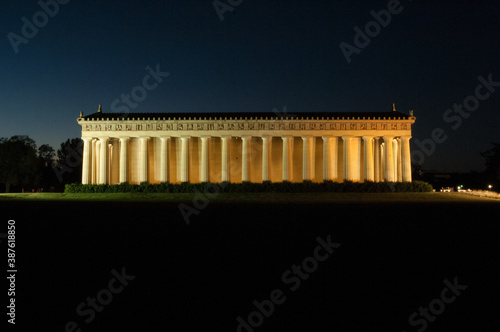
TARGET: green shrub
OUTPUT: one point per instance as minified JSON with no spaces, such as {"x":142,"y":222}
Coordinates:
{"x":248,"y":187}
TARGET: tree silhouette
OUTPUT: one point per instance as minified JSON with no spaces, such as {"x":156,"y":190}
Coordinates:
{"x":46,"y":159}
{"x":19,"y":164}
{"x":492,"y":163}
{"x":68,"y":167}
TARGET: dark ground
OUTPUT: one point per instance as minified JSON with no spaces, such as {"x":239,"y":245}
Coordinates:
{"x":393,"y":259}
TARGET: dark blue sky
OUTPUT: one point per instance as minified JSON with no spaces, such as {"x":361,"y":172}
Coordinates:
{"x":263,"y":55}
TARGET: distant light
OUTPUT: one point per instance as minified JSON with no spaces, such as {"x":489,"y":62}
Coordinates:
{"x":490,"y":186}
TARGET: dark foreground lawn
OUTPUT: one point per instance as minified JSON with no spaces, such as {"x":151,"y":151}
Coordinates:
{"x":395,"y":252}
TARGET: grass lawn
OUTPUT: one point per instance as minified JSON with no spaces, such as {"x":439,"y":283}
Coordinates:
{"x":396,"y":250}
{"x":249,"y":197}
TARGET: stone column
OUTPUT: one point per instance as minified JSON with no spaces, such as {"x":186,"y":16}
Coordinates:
{"x":143,"y":159}
{"x":395,"y":158}
{"x":399,"y":163}
{"x":382,"y":160}
{"x":164,"y":159}
{"x":184,"y":159}
{"x":245,"y":144}
{"x":124,"y":159}
{"x":287,"y":147}
{"x":389,"y":159}
{"x":406,"y":158}
{"x":97,"y":161}
{"x":87,"y":160}
{"x":326,"y":158}
{"x":330,"y":150}
{"x":369,"y":159}
{"x":351,"y":158}
{"x":307,"y":164}
{"x":334,"y":153}
{"x":347,"y":147}
{"x":93,"y":178}
{"x":204,"y":159}
{"x":225,"y":159}
{"x":110,"y":162}
{"x":266,"y":142}
{"x":103,"y":158}
{"x":377,"y":166}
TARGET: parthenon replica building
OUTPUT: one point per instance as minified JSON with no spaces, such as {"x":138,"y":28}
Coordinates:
{"x":245,"y":147}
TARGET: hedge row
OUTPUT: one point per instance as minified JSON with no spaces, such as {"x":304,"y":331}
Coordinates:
{"x":226,"y":187}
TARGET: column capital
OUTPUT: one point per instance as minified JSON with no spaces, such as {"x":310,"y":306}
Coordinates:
{"x":124,"y":138}
{"x":367,"y":138}
{"x":87,"y":139}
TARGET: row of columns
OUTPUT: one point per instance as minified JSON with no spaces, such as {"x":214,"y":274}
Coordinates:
{"x":385,"y":159}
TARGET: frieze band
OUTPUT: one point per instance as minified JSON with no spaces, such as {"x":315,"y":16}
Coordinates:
{"x":244,"y":126}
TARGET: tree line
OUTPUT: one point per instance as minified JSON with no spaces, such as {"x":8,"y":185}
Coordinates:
{"x":24,"y":167}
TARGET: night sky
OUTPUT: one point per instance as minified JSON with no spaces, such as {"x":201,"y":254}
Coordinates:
{"x":262,"y":55}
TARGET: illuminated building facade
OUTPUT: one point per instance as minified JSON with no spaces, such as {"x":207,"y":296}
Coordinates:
{"x":239,"y":147}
